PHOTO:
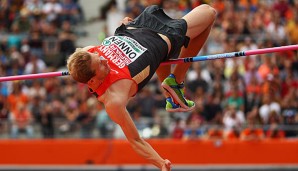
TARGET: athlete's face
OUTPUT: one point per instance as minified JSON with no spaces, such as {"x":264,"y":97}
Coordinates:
{"x":101,"y":67}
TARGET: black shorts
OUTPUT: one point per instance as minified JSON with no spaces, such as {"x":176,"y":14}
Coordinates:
{"x":156,"y":20}
{"x":149,"y":23}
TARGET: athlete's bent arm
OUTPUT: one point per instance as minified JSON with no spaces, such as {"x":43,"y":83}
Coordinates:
{"x":115,"y":104}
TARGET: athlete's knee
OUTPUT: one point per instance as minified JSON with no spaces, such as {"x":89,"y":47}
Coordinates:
{"x":208,"y":10}
{"x":212,"y":10}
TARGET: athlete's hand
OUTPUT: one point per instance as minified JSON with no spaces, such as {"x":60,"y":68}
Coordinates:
{"x":166,"y":165}
{"x":126,"y":20}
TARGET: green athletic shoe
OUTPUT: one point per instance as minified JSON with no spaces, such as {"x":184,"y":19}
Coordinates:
{"x":173,"y":107}
{"x":177,"y":93}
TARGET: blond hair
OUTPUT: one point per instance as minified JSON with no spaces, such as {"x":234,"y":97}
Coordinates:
{"x":79,"y":66}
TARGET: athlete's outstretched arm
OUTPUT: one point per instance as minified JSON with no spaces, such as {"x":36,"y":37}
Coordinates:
{"x":115,"y":102}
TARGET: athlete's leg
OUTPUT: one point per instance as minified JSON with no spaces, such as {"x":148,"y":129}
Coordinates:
{"x":163,"y":72}
{"x":199,"y":21}
{"x":180,"y":70}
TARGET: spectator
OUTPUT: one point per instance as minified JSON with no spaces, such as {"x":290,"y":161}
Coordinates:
{"x":268,"y":105}
{"x":291,"y":121}
{"x":289,"y":107}
{"x":281,"y":7}
{"x":16,"y":97}
{"x":70,"y":12}
{"x":52,"y":10}
{"x":252,"y":132}
{"x":267,"y":67}
{"x":275,"y":29}
{"x":47,"y":122}
{"x":140,"y":122}
{"x":51,"y":45}
{"x":159,"y":128}
{"x":195,"y":80}
{"x":4,"y":86}
{"x":178,"y":130}
{"x":25,"y":49}
{"x":253,"y":89}
{"x":147,"y":103}
{"x":213,"y":109}
{"x":133,"y":8}
{"x":274,"y":132}
{"x":35,"y":42}
{"x":171,"y":8}
{"x":36,"y":90}
{"x":35,"y":65}
{"x":36,"y":107}
{"x":3,"y":59}
{"x":21,"y":120}
{"x":233,"y":134}
{"x":67,"y":40}
{"x":104,"y":124}
{"x":233,"y":65}
{"x":249,"y":45}
{"x":72,"y":111}
{"x":235,"y":98}
{"x":22,"y":21}
{"x":106,"y":7}
{"x":4,"y":114}
{"x":289,"y":114}
{"x":14,"y":39}
{"x":288,"y":85}
{"x":86,"y":120}
{"x":70,"y":89}
{"x":113,"y":14}
{"x":251,"y":72}
{"x":17,"y":61}
{"x":233,"y":118}
{"x":6,"y":16}
{"x":193,"y":128}
{"x":292,"y":30}
{"x":34,"y":8}
{"x":215,"y":133}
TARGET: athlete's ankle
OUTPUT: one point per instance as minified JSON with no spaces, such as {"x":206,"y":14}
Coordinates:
{"x":177,"y":79}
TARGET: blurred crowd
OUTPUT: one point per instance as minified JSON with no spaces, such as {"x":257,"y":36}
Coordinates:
{"x":253,"y":97}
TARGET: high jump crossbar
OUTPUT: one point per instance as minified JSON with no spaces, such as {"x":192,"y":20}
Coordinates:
{"x":173,"y":61}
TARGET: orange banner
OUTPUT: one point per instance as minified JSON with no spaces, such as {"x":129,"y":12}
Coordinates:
{"x":119,"y":152}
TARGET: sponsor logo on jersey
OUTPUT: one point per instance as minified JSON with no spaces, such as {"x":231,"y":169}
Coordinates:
{"x":121,"y":50}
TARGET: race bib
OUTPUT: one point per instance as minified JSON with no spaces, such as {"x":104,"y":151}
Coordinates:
{"x":121,"y":50}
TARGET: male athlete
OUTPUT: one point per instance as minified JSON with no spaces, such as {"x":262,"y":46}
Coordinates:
{"x":122,"y":65}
